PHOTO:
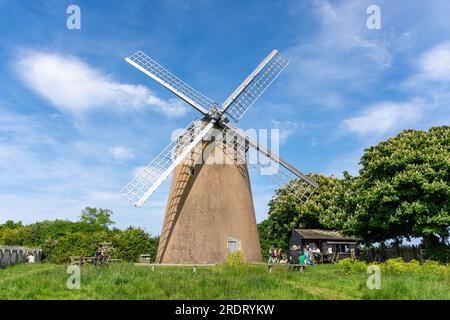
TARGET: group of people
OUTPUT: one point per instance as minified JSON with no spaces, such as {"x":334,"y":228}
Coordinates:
{"x":299,"y":258}
{"x":276,"y":256}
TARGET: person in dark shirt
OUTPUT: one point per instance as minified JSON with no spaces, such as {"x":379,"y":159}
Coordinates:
{"x":294,"y":258}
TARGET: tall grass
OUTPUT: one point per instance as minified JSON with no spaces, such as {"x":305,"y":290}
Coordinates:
{"x":126,"y":281}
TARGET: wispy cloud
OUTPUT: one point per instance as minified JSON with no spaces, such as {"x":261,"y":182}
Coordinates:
{"x":343,"y":56}
{"x":286,"y":129}
{"x":385,"y":117}
{"x":432,"y":74}
{"x":121,"y":153}
{"x":435,"y":63}
{"x":73,"y":86}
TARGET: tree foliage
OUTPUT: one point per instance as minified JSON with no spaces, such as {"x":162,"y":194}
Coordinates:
{"x":61,"y":239}
{"x":404,"y":187}
{"x":324,"y":210}
{"x":132,"y":242}
{"x":403,"y":190}
{"x":99,"y":217}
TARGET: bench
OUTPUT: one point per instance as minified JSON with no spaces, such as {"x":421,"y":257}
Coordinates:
{"x":79,"y":260}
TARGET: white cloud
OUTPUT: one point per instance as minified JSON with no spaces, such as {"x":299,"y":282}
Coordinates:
{"x":121,"y":153}
{"x":384,"y":117}
{"x":73,"y":86}
{"x":435,"y":63}
{"x":287,"y":129}
{"x":432,"y":76}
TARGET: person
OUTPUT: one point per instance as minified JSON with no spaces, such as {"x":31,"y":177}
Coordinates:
{"x":302,"y":262}
{"x":280,"y":254}
{"x":271,"y":255}
{"x":307,"y":254}
{"x":30,"y":257}
{"x":100,"y":255}
{"x":294,"y":258}
{"x":277,"y":255}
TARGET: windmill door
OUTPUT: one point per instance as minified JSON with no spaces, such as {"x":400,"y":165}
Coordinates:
{"x":234,"y":244}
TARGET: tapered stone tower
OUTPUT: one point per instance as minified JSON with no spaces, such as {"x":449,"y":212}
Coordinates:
{"x":209,"y":214}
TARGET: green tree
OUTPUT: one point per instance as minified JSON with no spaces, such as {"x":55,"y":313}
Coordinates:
{"x":132,"y":242}
{"x":99,"y":217}
{"x":404,"y":187}
{"x":326,"y":209}
{"x":73,"y":244}
{"x":19,"y":236}
{"x":9,"y":224}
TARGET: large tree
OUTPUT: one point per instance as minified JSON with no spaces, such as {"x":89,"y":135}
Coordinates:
{"x":97,"y":217}
{"x":326,"y":209}
{"x":404,"y":187}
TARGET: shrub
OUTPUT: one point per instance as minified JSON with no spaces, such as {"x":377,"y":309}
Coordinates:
{"x":398,"y":266}
{"x":435,"y":266}
{"x":132,"y":242}
{"x":351,"y":266}
{"x":439,"y":253}
{"x":235,"y":259}
{"x":19,"y":236}
{"x":75,"y":244}
{"x":394,"y":266}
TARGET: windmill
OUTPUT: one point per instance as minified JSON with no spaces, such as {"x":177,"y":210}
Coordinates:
{"x":210,"y":210}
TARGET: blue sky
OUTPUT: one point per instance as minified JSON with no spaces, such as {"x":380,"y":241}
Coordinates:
{"x":76,"y":121}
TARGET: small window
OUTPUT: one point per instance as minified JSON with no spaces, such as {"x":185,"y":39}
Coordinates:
{"x":234,"y":244}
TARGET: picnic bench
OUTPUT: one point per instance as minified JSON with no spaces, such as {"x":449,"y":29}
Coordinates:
{"x":79,"y":260}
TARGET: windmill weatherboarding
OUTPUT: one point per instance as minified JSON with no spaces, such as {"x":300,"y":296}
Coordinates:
{"x":210,"y":210}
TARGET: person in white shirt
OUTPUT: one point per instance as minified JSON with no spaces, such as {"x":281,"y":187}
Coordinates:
{"x":30,"y":258}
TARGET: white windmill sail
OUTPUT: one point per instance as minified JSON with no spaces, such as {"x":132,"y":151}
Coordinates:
{"x":156,"y":71}
{"x":145,"y":183}
{"x":295,"y":182}
{"x":254,"y":85}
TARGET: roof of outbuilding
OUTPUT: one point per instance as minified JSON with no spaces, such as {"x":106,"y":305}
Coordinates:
{"x":322,"y":234}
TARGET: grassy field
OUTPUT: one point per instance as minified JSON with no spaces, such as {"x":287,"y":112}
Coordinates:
{"x":126,"y":281}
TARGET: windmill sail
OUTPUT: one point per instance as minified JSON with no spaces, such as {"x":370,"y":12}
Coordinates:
{"x":145,"y":183}
{"x":254,"y":85}
{"x":156,"y":71}
{"x":287,"y":176}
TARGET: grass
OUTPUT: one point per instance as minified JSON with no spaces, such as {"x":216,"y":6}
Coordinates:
{"x":126,"y":281}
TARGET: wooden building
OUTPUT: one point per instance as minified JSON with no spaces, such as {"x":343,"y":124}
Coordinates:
{"x":329,"y":242}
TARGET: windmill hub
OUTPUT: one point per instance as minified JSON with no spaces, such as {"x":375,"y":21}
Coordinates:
{"x":210,"y":210}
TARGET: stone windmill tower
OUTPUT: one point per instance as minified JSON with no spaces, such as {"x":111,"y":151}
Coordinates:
{"x":210,"y":208}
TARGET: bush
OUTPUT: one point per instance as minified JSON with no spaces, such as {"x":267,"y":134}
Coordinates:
{"x":235,"y":259}
{"x":20,"y":236}
{"x":133,"y":242}
{"x":60,"y":239}
{"x":439,"y":253}
{"x":398,"y":266}
{"x":435,"y":266}
{"x":351,"y":266}
{"x":76,"y":244}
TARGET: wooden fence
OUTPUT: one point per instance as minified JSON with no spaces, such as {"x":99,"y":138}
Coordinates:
{"x":382,"y":254}
{"x":10,"y":255}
